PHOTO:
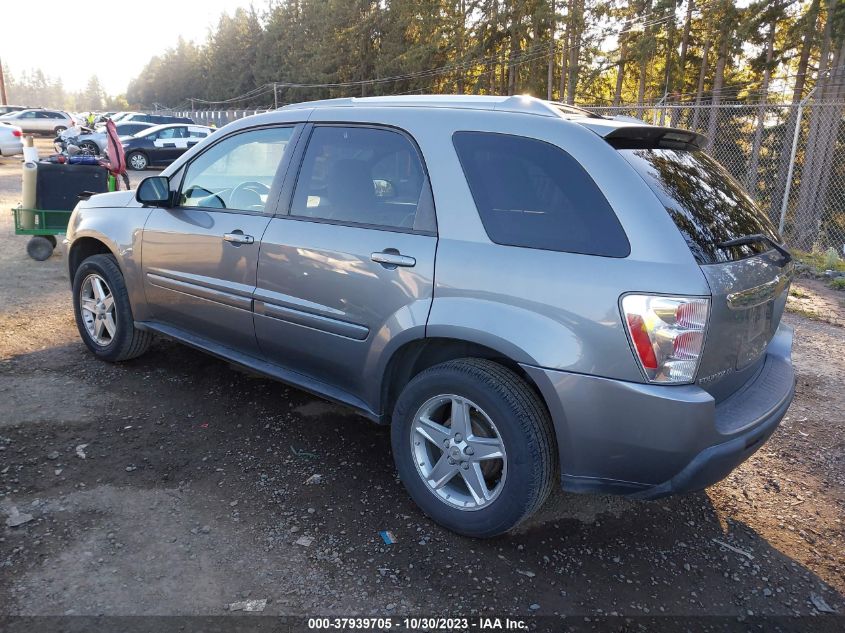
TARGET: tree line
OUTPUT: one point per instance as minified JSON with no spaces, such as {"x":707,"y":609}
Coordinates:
{"x":39,"y":90}
{"x":600,"y":52}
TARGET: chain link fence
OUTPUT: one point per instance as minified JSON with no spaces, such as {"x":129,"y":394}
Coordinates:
{"x":790,"y":158}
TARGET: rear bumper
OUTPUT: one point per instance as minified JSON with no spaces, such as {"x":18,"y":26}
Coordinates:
{"x":650,"y":441}
{"x":11,"y":149}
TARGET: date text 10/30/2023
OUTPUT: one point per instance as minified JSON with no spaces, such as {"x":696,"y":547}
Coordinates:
{"x":419,"y":623}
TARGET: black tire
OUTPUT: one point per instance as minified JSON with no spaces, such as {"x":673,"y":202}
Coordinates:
{"x":128,"y":342}
{"x":89,"y":148}
{"x":39,"y":247}
{"x":59,"y":129}
{"x":138,"y":156}
{"x":51,"y":239}
{"x":525,"y":429}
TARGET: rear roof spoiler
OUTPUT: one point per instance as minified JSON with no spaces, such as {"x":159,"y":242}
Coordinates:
{"x":632,"y":136}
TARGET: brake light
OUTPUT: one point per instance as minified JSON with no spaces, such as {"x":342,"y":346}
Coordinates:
{"x":667,"y":334}
{"x":642,"y":342}
{"x":16,"y":133}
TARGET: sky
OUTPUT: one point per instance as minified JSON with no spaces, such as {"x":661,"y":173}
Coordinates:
{"x":115,"y":44}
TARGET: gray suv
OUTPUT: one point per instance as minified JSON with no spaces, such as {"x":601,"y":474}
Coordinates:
{"x":529,"y":294}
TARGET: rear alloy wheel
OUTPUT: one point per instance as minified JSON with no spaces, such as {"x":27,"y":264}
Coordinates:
{"x":137,"y":161}
{"x":474,"y":446}
{"x":464,"y":463}
{"x":59,"y":129}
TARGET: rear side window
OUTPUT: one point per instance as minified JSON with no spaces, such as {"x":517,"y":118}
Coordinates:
{"x":533,"y":194}
{"x":707,"y":205}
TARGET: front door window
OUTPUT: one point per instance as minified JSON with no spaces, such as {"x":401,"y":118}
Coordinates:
{"x":236,"y":173}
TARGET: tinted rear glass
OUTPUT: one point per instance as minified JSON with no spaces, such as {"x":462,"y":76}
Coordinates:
{"x":708,"y":206}
{"x":533,"y":194}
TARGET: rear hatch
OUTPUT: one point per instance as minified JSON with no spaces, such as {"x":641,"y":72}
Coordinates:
{"x":749,"y":281}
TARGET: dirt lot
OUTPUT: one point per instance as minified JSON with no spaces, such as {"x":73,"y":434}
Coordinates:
{"x":175,"y":484}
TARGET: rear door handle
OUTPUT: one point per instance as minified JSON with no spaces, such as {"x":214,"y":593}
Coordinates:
{"x":238,"y":237}
{"x":391,"y":258}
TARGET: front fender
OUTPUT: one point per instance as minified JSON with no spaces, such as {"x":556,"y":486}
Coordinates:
{"x":120,"y":230}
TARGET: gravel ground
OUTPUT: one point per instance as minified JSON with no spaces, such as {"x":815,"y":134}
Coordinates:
{"x":175,"y":484}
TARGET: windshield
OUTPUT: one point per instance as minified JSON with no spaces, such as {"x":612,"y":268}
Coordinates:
{"x":707,"y":205}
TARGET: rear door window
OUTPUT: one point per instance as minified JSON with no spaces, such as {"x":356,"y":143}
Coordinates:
{"x":707,"y":205}
{"x":533,"y":194}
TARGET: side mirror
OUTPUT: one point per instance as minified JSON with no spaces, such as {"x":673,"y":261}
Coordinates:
{"x":154,"y":191}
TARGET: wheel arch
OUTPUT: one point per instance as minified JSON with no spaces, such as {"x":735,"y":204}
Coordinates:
{"x":419,"y":354}
{"x":83,"y":248}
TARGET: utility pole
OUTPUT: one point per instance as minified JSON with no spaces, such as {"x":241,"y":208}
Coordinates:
{"x":3,"y":99}
{"x":275,"y":96}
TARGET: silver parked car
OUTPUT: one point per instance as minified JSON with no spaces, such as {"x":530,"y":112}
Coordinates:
{"x":40,"y":121}
{"x":95,"y":143}
{"x":11,"y":139}
{"x":529,"y":294}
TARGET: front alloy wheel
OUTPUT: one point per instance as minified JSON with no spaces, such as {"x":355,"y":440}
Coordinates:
{"x":97,"y":309}
{"x":103,"y":313}
{"x":459,"y":452}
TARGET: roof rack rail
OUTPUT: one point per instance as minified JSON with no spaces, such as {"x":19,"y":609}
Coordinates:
{"x":516,"y":103}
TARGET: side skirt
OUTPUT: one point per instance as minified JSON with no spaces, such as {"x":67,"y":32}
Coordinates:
{"x":270,"y":370}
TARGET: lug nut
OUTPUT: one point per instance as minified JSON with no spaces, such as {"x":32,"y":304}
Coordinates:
{"x":451,"y":461}
{"x":458,"y":437}
{"x":469,"y":450}
{"x":446,"y":443}
{"x":465,"y":465}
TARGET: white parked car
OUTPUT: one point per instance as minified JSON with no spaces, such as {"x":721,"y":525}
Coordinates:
{"x":11,"y":139}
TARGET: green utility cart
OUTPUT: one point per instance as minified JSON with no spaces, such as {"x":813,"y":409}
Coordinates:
{"x":43,"y":226}
{"x":58,"y":190}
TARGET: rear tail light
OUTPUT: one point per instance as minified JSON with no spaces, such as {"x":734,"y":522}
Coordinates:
{"x":667,"y":334}
{"x":16,"y":133}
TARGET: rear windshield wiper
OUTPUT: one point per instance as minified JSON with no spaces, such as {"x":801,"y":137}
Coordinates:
{"x":756,"y":238}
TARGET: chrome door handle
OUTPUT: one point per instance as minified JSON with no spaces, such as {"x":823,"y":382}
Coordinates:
{"x":237,"y":237}
{"x":391,"y":259}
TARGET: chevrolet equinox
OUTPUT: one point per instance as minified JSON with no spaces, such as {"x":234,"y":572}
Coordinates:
{"x":528,"y":293}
